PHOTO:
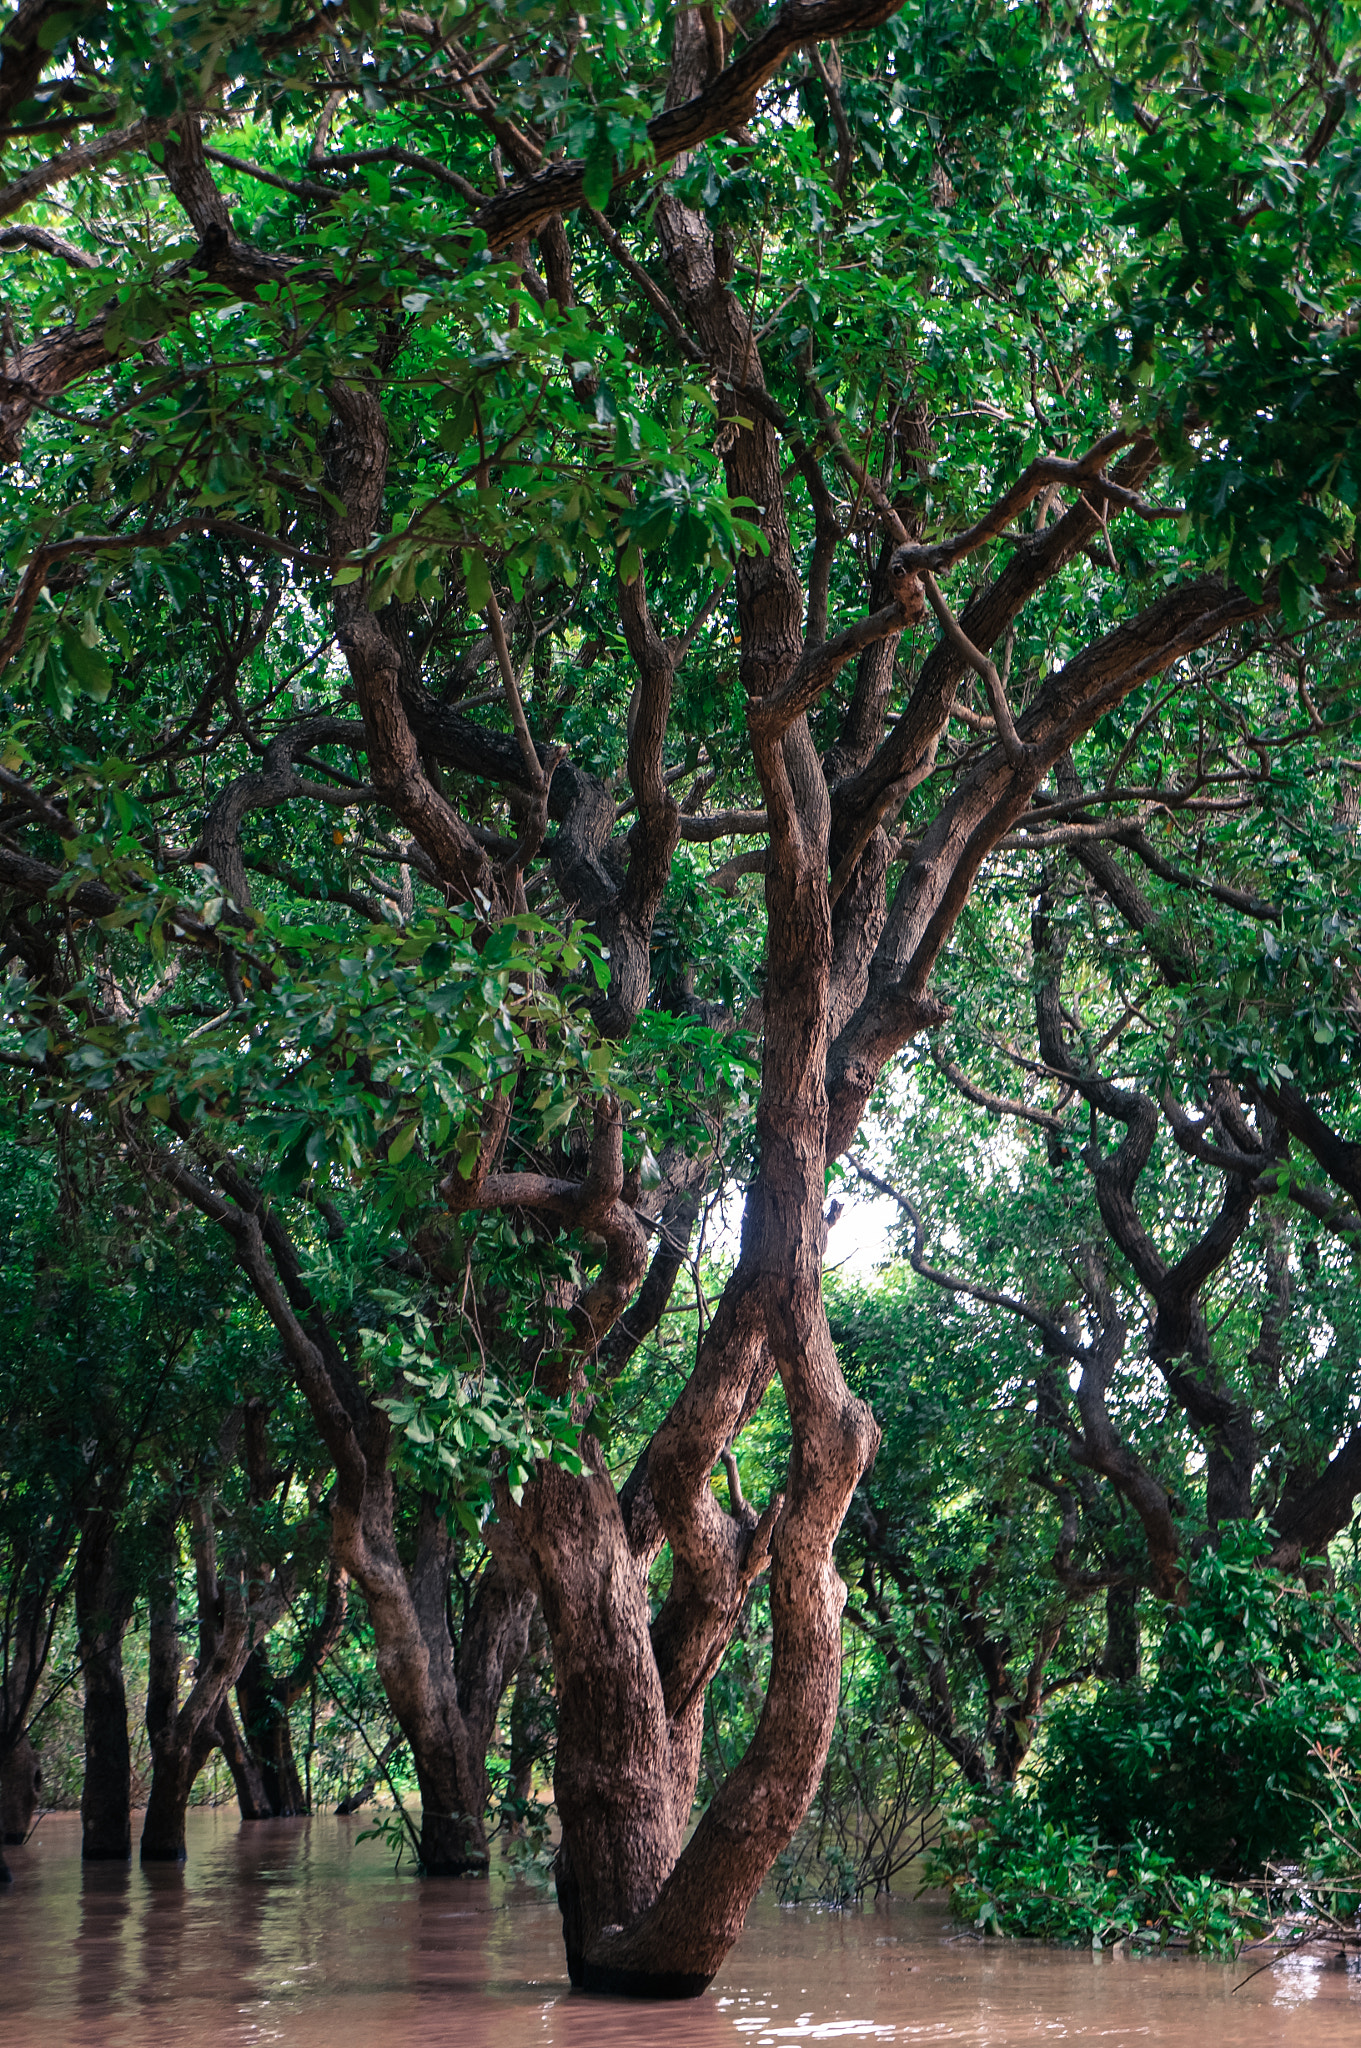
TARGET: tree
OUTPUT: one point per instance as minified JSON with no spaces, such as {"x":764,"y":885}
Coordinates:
{"x":424,"y":409}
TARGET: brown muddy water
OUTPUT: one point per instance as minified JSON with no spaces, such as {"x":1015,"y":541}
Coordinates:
{"x":290,"y":1932}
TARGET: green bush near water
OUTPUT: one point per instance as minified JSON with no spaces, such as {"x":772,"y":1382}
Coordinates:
{"x":1201,"y":1806}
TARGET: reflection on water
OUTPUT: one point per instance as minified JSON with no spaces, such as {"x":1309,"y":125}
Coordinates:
{"x":285,"y":1931}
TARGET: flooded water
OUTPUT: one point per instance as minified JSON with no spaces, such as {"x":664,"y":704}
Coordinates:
{"x":289,"y":1932}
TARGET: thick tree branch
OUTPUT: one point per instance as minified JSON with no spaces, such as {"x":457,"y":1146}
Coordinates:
{"x":722,"y":106}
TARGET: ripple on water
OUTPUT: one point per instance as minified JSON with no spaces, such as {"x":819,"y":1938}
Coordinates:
{"x":289,"y":1932}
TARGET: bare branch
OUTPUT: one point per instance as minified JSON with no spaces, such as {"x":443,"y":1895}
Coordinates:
{"x":720,"y":107}
{"x":980,"y":664}
{"x":49,"y":245}
{"x":1056,"y":1338}
{"x":983,"y":1098}
{"x":85,"y":157}
{"x":723,"y":825}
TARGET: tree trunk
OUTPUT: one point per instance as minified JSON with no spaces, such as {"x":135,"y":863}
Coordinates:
{"x":103,"y":1610}
{"x":409,"y":1612}
{"x":531,"y":1719}
{"x":641,"y":1915}
{"x":252,"y":1794}
{"x":24,"y":1642}
{"x":21,"y":1781}
{"x":268,"y":1736}
{"x":623,"y":1776}
{"x":183,"y":1737}
{"x":493,"y":1646}
{"x":175,"y":1766}
{"x":1120,"y":1658}
{"x":449,"y":1724}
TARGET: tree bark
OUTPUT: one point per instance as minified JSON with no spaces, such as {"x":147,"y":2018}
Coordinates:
{"x":531,"y":1718}
{"x":640,"y":1915}
{"x":21,"y":1782}
{"x":269,"y":1738}
{"x":252,"y":1795}
{"x":184,"y":1736}
{"x":104,"y":1603}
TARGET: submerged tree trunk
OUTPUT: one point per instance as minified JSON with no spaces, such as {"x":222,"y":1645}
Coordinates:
{"x":449,"y":1725}
{"x":103,"y":1610}
{"x":408,"y":1609}
{"x":265,"y":1698}
{"x":184,"y":1736}
{"x":25,"y":1640}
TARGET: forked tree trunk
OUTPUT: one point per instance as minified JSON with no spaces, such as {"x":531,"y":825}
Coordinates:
{"x":641,"y":1915}
{"x":104,"y":1605}
{"x":183,"y":1736}
{"x":267,"y":1775}
{"x":447,"y":1723}
{"x":252,"y":1795}
{"x":175,"y":1766}
{"x":268,"y":1736}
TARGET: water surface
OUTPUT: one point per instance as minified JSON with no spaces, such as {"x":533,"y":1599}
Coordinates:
{"x":290,"y":1932}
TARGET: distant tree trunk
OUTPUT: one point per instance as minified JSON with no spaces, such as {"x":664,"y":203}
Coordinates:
{"x":1120,"y":1659}
{"x":25,"y":1640}
{"x":252,"y":1793}
{"x":163,"y":1649}
{"x":103,"y":1610}
{"x":408,"y":1607}
{"x":531,"y":1716}
{"x":183,"y":1737}
{"x":493,"y":1646}
{"x":21,"y":1781}
{"x":269,"y":1738}
{"x":265,"y":1699}
{"x":447,"y":1723}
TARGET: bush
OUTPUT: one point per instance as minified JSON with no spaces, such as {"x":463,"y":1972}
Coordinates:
{"x":1011,"y":1871}
{"x":1216,"y":1762}
{"x":1150,"y":1806}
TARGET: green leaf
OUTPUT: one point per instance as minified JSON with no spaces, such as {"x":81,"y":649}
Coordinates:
{"x":87,"y":665}
{"x":402,"y":1143}
{"x":477,"y":580}
{"x":598,"y":180}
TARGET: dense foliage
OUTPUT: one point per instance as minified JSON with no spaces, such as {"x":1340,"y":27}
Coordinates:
{"x":614,"y":618}
{"x":1153,"y":1801}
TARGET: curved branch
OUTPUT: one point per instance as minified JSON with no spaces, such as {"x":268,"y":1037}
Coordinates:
{"x":720,"y":107}
{"x":1054,"y":1336}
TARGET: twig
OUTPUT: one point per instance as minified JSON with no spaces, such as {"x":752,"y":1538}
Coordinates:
{"x":528,"y":751}
{"x":980,"y":664}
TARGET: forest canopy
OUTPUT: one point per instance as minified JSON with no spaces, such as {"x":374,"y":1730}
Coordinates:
{"x":614,"y":617}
